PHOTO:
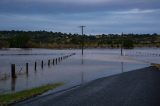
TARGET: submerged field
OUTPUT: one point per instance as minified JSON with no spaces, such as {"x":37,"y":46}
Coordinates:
{"x":77,"y":69}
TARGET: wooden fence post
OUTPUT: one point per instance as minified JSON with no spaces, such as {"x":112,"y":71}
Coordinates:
{"x":56,"y":60}
{"x":35,"y":66}
{"x":53,"y":61}
{"x":13,"y":71}
{"x":48,"y":62}
{"x":27,"y":68}
{"x":42,"y":64}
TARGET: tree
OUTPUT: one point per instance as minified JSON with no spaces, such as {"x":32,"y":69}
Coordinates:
{"x":19,"y":41}
{"x":128,"y":44}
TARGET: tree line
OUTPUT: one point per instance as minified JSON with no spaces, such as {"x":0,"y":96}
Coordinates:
{"x":44,"y":39}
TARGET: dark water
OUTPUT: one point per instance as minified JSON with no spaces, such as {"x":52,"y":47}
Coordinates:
{"x":95,"y":63}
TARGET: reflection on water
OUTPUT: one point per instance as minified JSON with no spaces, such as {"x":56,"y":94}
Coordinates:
{"x":82,"y":73}
{"x":122,"y":65}
{"x":13,"y":84}
{"x":82,"y":60}
{"x":75,"y":70}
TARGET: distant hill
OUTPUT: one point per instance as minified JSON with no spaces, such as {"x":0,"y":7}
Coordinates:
{"x":44,"y":39}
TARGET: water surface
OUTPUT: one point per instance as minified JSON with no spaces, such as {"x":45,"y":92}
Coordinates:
{"x":77,"y":69}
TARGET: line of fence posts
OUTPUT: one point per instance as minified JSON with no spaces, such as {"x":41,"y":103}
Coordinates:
{"x":144,"y":54}
{"x":55,"y":61}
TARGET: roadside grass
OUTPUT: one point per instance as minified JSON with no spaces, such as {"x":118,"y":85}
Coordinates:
{"x":156,"y":65}
{"x":8,"y":99}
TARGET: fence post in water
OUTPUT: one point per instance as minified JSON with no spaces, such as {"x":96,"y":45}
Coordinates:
{"x":53,"y":61}
{"x":35,"y":66}
{"x":56,"y":60}
{"x":42,"y":64}
{"x":13,"y":71}
{"x":48,"y":62}
{"x":27,"y":68}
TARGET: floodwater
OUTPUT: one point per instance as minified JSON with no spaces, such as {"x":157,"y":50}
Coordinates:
{"x":77,"y":69}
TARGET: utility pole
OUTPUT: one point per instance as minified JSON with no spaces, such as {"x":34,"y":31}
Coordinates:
{"x":122,"y":44}
{"x":82,"y":28}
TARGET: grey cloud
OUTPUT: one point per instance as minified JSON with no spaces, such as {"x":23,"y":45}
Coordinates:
{"x":64,"y":6}
{"x":100,"y":22}
{"x":100,"y":16}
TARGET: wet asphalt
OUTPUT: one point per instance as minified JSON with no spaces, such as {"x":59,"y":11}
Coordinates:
{"x":135,"y":88}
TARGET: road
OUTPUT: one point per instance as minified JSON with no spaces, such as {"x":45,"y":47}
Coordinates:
{"x":134,"y":88}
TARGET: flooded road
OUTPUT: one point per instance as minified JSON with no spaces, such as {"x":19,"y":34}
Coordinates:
{"x":77,"y":69}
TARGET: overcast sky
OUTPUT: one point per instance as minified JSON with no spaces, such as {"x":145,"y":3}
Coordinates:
{"x":100,"y":16}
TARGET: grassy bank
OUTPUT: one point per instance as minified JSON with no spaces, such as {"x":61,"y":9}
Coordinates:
{"x":7,"y":99}
{"x":156,"y":65}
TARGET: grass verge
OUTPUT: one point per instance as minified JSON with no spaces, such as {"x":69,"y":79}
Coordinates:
{"x":8,"y":99}
{"x":156,"y":65}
